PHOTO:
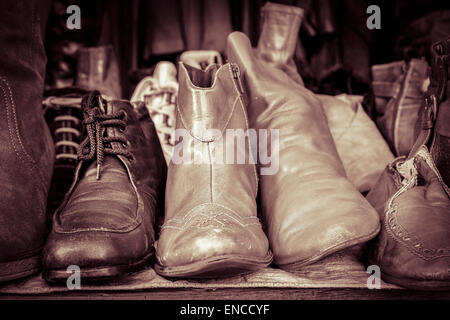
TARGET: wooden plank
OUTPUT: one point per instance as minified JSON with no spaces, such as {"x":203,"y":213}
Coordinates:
{"x":340,"y":276}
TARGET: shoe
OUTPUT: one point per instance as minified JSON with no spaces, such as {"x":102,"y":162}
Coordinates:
{"x":63,"y":115}
{"x":412,"y":197}
{"x":211,"y":227}
{"x":105,"y":223}
{"x":398,"y":88}
{"x":27,"y":150}
{"x":310,"y":209}
{"x":159,"y":94}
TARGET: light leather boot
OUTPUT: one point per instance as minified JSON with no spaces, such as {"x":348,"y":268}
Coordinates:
{"x":211,"y":227}
{"x":105,"y":225}
{"x":361,"y":147}
{"x":399,"y":89}
{"x":26,"y":146}
{"x":412,"y":196}
{"x":278,"y":38}
{"x":310,"y":208}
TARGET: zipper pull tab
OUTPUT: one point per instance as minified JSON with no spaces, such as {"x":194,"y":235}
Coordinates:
{"x":237,"y":77}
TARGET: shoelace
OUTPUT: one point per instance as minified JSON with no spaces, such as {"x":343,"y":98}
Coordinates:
{"x":66,"y":124}
{"x":97,"y":144}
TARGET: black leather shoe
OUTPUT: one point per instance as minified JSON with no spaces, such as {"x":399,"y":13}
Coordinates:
{"x":105,"y":223}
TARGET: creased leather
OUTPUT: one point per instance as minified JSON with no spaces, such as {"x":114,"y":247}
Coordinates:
{"x":109,"y":222}
{"x":210,"y":207}
{"x":310,"y":208}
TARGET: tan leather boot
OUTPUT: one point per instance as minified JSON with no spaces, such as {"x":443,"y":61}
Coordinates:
{"x":310,"y":208}
{"x":211,"y":226}
{"x":361,"y":147}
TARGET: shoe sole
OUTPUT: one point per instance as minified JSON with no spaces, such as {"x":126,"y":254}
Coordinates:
{"x":414,"y":284}
{"x":217,"y":267}
{"x":100,"y":273}
{"x":12,"y":270}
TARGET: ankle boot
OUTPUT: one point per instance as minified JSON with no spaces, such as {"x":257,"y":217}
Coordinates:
{"x":398,"y":88}
{"x":27,"y":151}
{"x":310,"y":209}
{"x":363,"y":151}
{"x":412,"y":196}
{"x":159,"y":94}
{"x":105,"y":223}
{"x":211,"y":227}
{"x":63,"y":115}
{"x":97,"y":69}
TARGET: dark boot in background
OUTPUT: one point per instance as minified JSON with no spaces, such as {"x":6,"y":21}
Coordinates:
{"x":64,"y":117}
{"x":412,"y":196}
{"x":211,"y":227}
{"x":399,"y":88}
{"x":105,"y":224}
{"x":26,"y":146}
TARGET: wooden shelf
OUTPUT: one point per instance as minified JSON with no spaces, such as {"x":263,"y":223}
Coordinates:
{"x":340,"y":276}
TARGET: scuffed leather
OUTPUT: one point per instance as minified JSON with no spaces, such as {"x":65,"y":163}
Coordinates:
{"x":210,"y":207}
{"x":361,"y":147}
{"x":311,"y":210}
{"x":413,"y":204}
{"x":109,"y":221}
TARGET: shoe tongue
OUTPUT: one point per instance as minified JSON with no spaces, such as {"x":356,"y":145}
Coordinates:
{"x":165,"y":74}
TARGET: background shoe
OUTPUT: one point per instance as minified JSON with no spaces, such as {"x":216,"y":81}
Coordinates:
{"x":412,"y":198}
{"x":399,"y":90}
{"x":64,"y":116}
{"x":159,"y":94}
{"x":211,"y":227}
{"x":105,"y":224}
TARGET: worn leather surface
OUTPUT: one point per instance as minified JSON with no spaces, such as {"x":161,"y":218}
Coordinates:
{"x":210,"y":207}
{"x":413,"y":198}
{"x":26,"y":146}
{"x":413,"y":203}
{"x":310,"y":208}
{"x":399,"y":89}
{"x":361,"y":147}
{"x":109,"y":221}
